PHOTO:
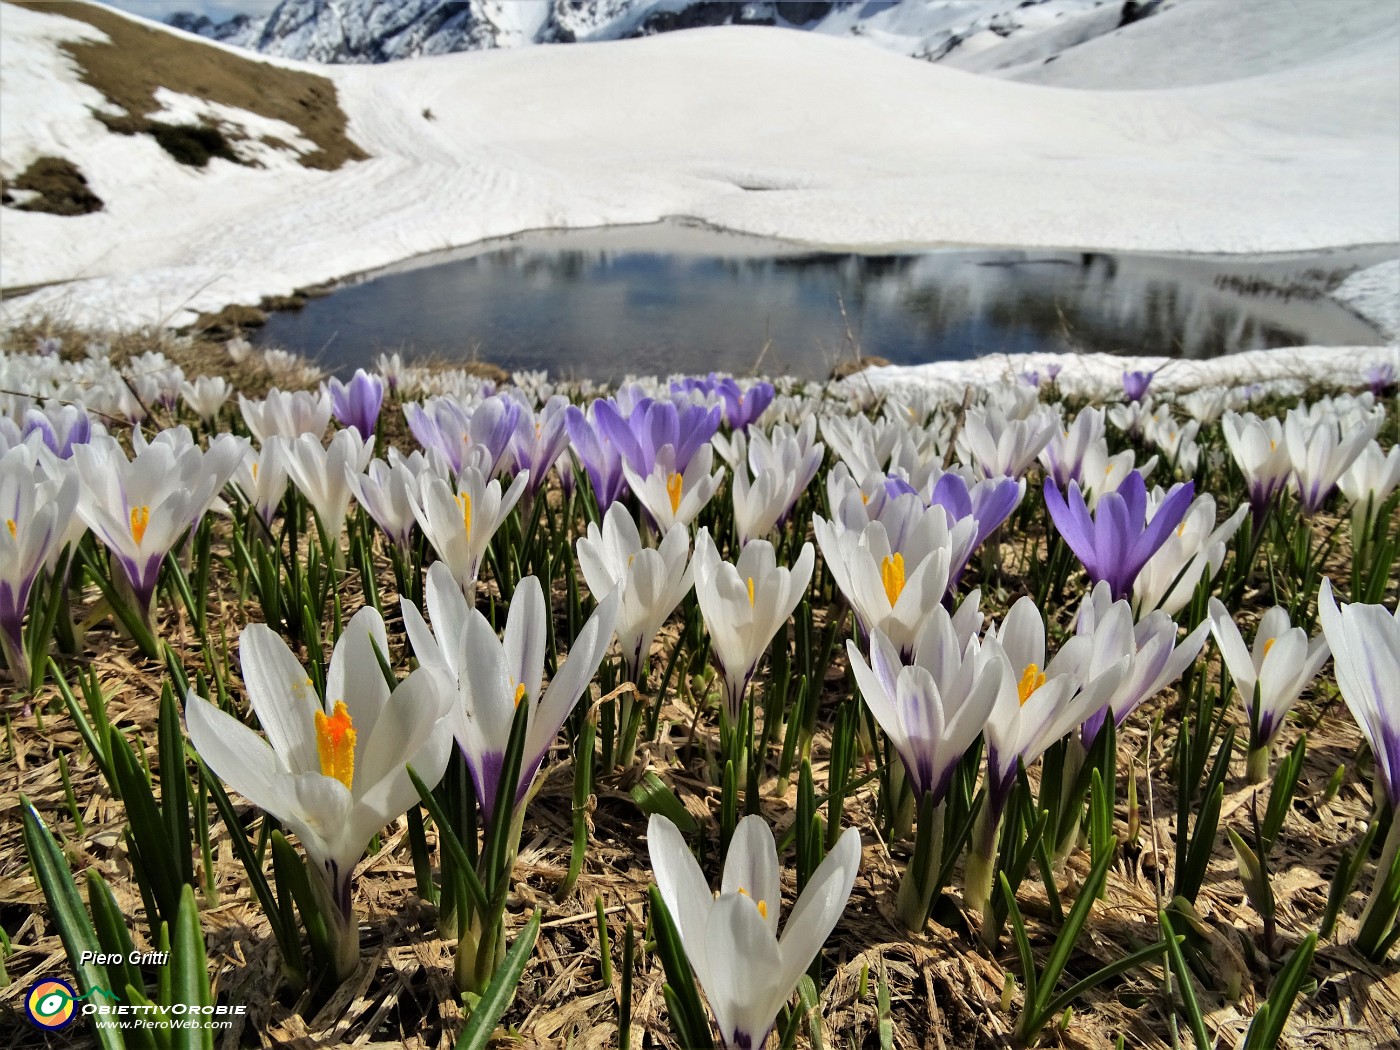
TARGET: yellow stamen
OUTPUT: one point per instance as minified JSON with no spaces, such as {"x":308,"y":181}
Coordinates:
{"x":673,"y":489}
{"x":519,"y":693}
{"x":1031,"y":680}
{"x":464,"y":500}
{"x":255,"y":472}
{"x":892,"y":575}
{"x":762,"y":905}
{"x":865,"y":498}
{"x":750,"y":591}
{"x":335,"y":743}
{"x":11,"y":523}
{"x":140,"y":518}
{"x":1269,"y":644}
{"x":1181,"y":529}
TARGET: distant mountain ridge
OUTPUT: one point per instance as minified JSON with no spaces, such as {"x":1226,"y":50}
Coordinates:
{"x":370,"y":31}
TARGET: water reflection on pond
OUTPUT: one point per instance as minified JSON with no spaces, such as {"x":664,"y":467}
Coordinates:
{"x":673,"y":298}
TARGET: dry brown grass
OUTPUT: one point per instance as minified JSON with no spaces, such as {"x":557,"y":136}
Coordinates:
{"x":138,"y":60}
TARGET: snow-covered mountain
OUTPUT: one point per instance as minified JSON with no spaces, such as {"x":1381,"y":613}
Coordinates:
{"x":366,"y":31}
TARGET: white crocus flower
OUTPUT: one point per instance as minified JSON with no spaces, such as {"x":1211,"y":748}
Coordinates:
{"x":332,"y":770}
{"x":865,"y":446}
{"x":1261,"y":454}
{"x":1063,"y":456}
{"x":1206,"y":404}
{"x":1155,"y":657}
{"x":141,"y":507}
{"x":1269,"y":676}
{"x":34,"y":518}
{"x":1103,"y":473}
{"x":996,"y":446}
{"x":652,"y":580}
{"x":671,"y":497}
{"x":1365,"y":644}
{"x":261,"y":477}
{"x":386,"y":490}
{"x":1195,"y":550}
{"x":288,"y":415}
{"x":206,"y":395}
{"x":322,"y":475}
{"x":1368,"y":483}
{"x":744,"y":605}
{"x":933,"y":708}
{"x":1037,"y":705}
{"x":760,"y":502}
{"x":893,"y":574}
{"x":489,"y":676}
{"x":794,"y":454}
{"x":460,"y":524}
{"x":1321,"y":453}
{"x":731,"y":939}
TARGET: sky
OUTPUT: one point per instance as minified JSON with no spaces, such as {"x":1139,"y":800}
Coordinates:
{"x":218,"y":10}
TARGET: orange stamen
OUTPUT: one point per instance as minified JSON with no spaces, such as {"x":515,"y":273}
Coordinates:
{"x":892,"y":575}
{"x":1031,"y":680}
{"x":140,"y":518}
{"x":673,"y":489}
{"x":335,"y":743}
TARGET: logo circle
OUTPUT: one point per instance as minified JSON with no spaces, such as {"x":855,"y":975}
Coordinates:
{"x":51,"y":1004}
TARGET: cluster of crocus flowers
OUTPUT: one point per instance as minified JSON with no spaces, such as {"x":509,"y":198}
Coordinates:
{"x":478,"y":434}
{"x":731,"y":938}
{"x":287,"y":414}
{"x":333,"y":768}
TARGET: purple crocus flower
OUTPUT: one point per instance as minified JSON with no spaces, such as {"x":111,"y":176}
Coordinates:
{"x":60,"y":426}
{"x":538,"y":441}
{"x":989,"y":502}
{"x":742,"y":407}
{"x":599,"y":455}
{"x":1135,"y":384}
{"x":357,"y":403}
{"x":652,"y":425}
{"x":1380,"y":378}
{"x":1030,"y":377}
{"x":453,"y":429}
{"x":1116,"y":540}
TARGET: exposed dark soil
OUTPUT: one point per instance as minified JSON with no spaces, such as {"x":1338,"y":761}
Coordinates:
{"x":139,"y":60}
{"x":61,"y":187}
